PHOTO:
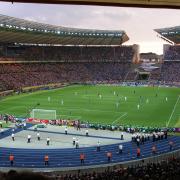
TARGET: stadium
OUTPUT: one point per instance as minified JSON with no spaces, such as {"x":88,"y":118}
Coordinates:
{"x":79,"y":104}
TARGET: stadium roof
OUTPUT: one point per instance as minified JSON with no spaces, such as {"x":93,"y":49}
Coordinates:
{"x":134,"y":3}
{"x":15,"y":30}
{"x":172,"y":34}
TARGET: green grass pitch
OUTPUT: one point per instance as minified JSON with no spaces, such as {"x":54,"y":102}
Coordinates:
{"x":103,"y":104}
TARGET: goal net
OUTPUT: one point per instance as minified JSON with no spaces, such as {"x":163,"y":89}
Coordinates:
{"x":43,"y":114}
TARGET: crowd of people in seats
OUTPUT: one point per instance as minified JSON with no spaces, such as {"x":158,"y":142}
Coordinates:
{"x":131,"y":76}
{"x":18,"y":75}
{"x":69,"y":53}
{"x":78,"y":64}
{"x":164,"y":170}
{"x":13,"y":76}
{"x":170,"y":72}
{"x":155,"y":75}
{"x":172,"y":53}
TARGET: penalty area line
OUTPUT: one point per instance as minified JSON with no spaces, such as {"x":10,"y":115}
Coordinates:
{"x":124,"y":114}
{"x":167,"y":124}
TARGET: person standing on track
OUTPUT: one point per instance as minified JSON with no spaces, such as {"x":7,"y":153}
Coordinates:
{"x":122,"y":136}
{"x":46,"y":160}
{"x":74,"y":141}
{"x":78,"y":125}
{"x":87,"y":132}
{"x":82,"y":158}
{"x":11,"y":159}
{"x":138,"y":152}
{"x":77,"y":144}
{"x":66,"y":130}
{"x":29,"y":138}
{"x":98,"y":146}
{"x":24,"y":125}
{"x":109,"y":156}
{"x":171,"y":144}
{"x":12,"y":135}
{"x":154,"y":149}
{"x":38,"y":136}
{"x":48,"y":140}
{"x":120,"y":148}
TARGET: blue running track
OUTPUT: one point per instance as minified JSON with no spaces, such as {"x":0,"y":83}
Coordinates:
{"x":69,"y":157}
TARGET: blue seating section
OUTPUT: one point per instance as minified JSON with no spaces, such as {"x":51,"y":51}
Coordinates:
{"x":69,"y":157}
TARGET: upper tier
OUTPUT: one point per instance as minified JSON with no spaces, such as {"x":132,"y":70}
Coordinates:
{"x":15,"y":30}
{"x":171,"y":34}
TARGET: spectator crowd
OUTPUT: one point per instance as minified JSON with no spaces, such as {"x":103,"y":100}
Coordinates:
{"x":13,"y":76}
{"x":172,"y":53}
{"x":58,"y":64}
{"x":170,"y":71}
{"x":68,"y":53}
{"x":164,"y":170}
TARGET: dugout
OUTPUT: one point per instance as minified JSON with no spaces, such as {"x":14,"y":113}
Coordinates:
{"x":143,"y":76}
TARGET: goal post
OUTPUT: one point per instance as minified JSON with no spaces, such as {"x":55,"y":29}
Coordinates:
{"x":43,"y":114}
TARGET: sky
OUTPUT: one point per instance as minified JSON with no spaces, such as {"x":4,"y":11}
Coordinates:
{"x":137,"y":22}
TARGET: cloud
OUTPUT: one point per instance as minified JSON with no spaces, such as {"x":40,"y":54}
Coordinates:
{"x":66,"y":15}
{"x":150,"y":46}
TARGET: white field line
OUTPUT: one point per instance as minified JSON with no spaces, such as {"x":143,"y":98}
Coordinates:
{"x":68,"y":109}
{"x":167,"y":124}
{"x":59,"y":115}
{"x":124,"y":114}
{"x":104,"y":98}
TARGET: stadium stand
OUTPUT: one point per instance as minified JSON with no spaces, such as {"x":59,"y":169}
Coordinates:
{"x":67,"y":53}
{"x":23,"y":31}
{"x":161,"y":170}
{"x":13,"y":76}
{"x":172,"y":53}
{"x":34,"y":54}
{"x":170,"y":72}
{"x":155,"y":75}
{"x":170,"y":34}
{"x":167,"y":74}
